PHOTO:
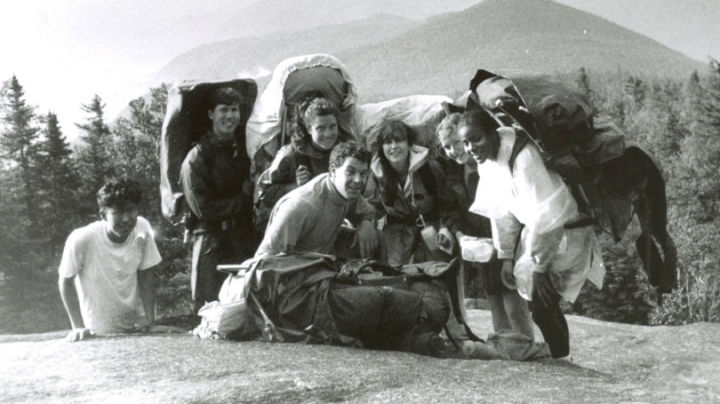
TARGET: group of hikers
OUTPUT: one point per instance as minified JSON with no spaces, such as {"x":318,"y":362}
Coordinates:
{"x":389,"y":198}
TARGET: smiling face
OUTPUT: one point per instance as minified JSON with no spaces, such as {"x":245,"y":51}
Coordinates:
{"x":120,"y":221}
{"x":397,"y":151}
{"x":323,"y":131}
{"x":225,"y":119}
{"x":350,"y":178}
{"x":479,"y":144}
{"x":454,"y":148}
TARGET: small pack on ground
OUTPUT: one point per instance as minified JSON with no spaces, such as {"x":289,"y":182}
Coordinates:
{"x":186,"y":122}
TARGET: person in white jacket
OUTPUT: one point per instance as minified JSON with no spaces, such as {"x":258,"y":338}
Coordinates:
{"x":538,"y":232}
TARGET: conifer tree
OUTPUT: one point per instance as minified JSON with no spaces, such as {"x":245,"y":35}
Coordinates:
{"x":18,"y":143}
{"x":583,"y":84}
{"x":60,"y":183}
{"x":94,"y":157}
{"x":136,"y":146}
{"x":695,"y":213}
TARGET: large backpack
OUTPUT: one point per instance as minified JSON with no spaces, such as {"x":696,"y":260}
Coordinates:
{"x":552,"y":114}
{"x":292,"y":81}
{"x":186,"y":122}
{"x":558,"y":119}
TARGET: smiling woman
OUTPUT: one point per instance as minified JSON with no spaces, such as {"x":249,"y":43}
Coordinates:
{"x":407,"y":188}
{"x":315,"y":131}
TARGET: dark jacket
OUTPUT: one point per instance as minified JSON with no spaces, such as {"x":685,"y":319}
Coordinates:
{"x":280,"y":179}
{"x":215,"y":181}
{"x":459,"y":218}
{"x":423,"y":193}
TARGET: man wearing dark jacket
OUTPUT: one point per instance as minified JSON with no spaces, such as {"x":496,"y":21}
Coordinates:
{"x":215,"y":180}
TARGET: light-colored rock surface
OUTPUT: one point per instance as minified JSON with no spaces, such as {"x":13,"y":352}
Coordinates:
{"x":613,"y":363}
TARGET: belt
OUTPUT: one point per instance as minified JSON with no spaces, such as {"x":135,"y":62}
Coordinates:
{"x":221,"y":225}
{"x":409,"y":220}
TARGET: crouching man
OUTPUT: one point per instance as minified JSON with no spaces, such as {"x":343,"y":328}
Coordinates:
{"x":310,"y":219}
{"x":106,"y":273}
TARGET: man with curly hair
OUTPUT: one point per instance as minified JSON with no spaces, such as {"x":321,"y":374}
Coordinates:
{"x":310,"y":218}
{"x":315,"y":131}
{"x":106,"y":277}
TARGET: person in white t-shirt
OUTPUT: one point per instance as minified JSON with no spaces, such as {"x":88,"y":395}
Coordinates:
{"x":107,"y":270}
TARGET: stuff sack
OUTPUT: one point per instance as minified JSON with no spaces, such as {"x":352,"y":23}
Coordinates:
{"x":186,"y":122}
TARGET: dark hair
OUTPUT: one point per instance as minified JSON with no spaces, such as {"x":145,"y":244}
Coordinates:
{"x":478,"y":119}
{"x":117,"y":193}
{"x":224,"y":96}
{"x":313,"y":106}
{"x":343,"y":150}
{"x":386,"y":130}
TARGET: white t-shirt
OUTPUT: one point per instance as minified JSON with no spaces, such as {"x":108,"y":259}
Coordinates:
{"x":107,"y":274}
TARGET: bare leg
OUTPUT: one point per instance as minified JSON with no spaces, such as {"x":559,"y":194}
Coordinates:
{"x":516,"y":309}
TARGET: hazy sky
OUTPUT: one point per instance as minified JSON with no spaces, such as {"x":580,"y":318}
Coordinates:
{"x":66,"y":51}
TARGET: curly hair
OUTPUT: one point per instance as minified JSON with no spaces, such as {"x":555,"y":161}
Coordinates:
{"x":117,"y":193}
{"x":224,"y":96}
{"x":385,"y":131}
{"x":313,"y":106}
{"x":343,"y":150}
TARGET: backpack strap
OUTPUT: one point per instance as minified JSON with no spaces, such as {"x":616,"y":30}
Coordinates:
{"x":206,"y":151}
{"x":521,"y":140}
{"x":451,"y":277}
{"x":208,"y":155}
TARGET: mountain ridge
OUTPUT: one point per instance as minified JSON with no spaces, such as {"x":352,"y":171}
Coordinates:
{"x":391,"y":57}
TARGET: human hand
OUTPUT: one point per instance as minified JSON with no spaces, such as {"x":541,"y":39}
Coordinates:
{"x":445,"y":241}
{"x":78,"y":334}
{"x":506,"y":274}
{"x":302,"y":175}
{"x":365,"y":239}
{"x":543,"y":288}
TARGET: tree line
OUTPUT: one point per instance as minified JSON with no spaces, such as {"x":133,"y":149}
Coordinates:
{"x":48,"y":186}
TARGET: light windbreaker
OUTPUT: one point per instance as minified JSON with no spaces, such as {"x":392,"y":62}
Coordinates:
{"x":528,"y":208}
